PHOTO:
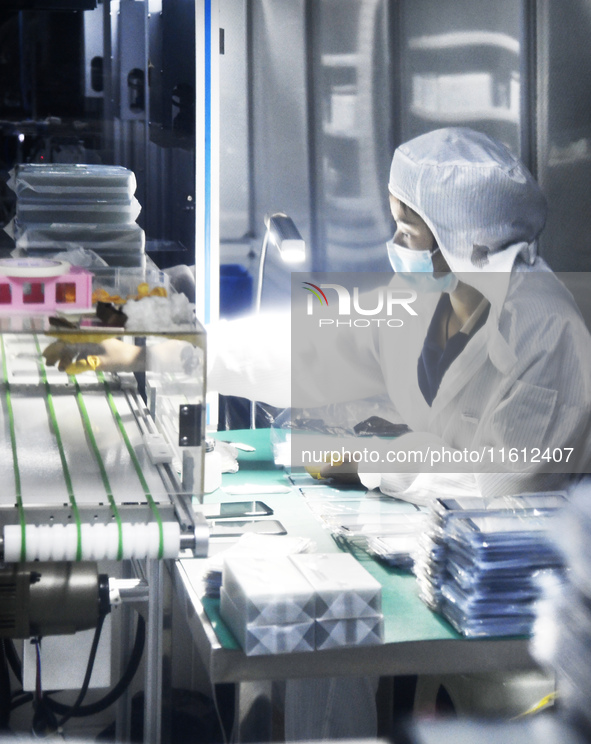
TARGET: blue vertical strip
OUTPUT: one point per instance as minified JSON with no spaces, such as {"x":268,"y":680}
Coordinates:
{"x":207,"y":156}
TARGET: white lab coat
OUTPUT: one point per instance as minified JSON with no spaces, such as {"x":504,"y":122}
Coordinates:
{"x":523,"y":382}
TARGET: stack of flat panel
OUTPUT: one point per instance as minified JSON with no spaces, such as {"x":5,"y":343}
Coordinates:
{"x":118,"y":245}
{"x":61,"y":206}
{"x":492,"y":569}
{"x":432,"y":555}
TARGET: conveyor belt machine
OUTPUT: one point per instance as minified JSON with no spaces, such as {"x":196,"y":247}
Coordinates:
{"x":99,"y":466}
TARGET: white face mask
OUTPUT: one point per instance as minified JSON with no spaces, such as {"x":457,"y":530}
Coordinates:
{"x":416,"y":269}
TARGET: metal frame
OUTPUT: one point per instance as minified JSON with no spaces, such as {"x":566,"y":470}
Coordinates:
{"x":152,"y":598}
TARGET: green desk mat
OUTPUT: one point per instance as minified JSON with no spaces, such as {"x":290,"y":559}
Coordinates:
{"x":406,"y":617}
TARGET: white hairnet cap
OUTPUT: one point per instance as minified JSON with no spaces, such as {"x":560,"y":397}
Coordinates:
{"x":481,"y":203}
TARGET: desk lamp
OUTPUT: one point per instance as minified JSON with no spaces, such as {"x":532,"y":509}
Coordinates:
{"x":281,"y":232}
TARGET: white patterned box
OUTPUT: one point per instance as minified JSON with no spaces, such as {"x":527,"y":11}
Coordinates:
{"x":258,"y":640}
{"x":268,"y":591}
{"x":343,"y":588}
{"x":361,"y":631}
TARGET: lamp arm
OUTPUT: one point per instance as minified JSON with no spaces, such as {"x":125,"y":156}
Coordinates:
{"x":257,"y":310}
{"x":262,"y":258}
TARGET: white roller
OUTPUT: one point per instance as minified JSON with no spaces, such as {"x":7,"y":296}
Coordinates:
{"x":12,"y":543}
{"x":95,"y":545}
{"x":99,"y":542}
{"x":129,"y":532}
{"x":46,"y":536}
{"x":112,"y":540}
{"x":70,"y":542}
{"x":172,"y":539}
{"x":153,"y":540}
{"x":88,"y":546}
{"x":32,"y":542}
{"x":87,"y":542}
{"x":142,"y":541}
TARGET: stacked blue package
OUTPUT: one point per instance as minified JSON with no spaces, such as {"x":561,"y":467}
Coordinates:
{"x":492,"y":570}
{"x":431,"y":558}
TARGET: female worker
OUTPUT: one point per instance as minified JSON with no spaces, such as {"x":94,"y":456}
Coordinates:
{"x":497,"y":360}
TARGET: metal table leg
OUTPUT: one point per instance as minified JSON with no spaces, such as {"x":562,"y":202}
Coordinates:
{"x":157,"y":705}
{"x":254,"y":711}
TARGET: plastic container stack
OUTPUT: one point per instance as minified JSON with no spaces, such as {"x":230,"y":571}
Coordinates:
{"x":61,"y":206}
{"x":562,"y":637}
{"x":492,"y":564}
{"x":300,"y":603}
{"x":479,"y":566}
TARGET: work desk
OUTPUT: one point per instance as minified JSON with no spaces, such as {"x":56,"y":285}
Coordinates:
{"x":417,"y":641}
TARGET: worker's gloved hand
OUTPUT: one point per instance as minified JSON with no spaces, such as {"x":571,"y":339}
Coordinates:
{"x":341,"y":470}
{"x":110,"y":355}
{"x":73,"y":358}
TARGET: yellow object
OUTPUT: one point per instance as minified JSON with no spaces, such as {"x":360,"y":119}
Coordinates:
{"x":83,"y":365}
{"x":143,"y":290}
{"x":159,"y":292}
{"x":335,"y":462}
{"x":100,"y":295}
{"x":89,"y":364}
{"x":544,"y":703}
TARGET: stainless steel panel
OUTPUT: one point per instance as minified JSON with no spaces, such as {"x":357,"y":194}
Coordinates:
{"x":461,"y":66}
{"x":337,"y":84}
{"x":564,"y":130}
{"x":320,"y":97}
{"x":169,"y":216}
{"x":93,"y":47}
{"x":235,"y":202}
{"x":280,"y":143}
{"x":354,"y":90}
{"x":279,"y":89}
{"x":113,"y":25}
{"x":133,"y":78}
